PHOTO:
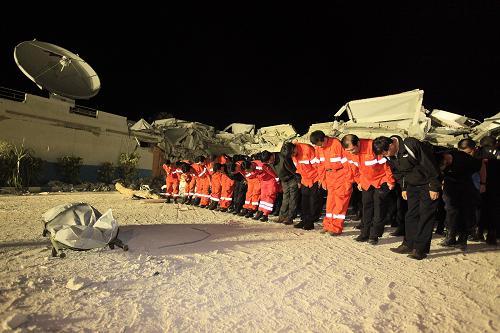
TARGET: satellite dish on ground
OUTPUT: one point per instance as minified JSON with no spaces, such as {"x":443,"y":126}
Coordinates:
{"x":56,"y":69}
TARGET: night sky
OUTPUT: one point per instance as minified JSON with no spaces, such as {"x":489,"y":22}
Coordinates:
{"x":273,"y":65}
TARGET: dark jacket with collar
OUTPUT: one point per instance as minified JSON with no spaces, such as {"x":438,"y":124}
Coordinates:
{"x":414,"y":164}
{"x":284,"y":168}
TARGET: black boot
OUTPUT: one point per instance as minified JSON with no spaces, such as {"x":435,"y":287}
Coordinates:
{"x":196,"y":201}
{"x":417,"y":255}
{"x":439,"y":230}
{"x":243,"y":212}
{"x":361,"y":238}
{"x":168,"y":200}
{"x":258,"y":215}
{"x":175,"y":200}
{"x":398,"y":232}
{"x":401,"y":249}
{"x":264,"y":218}
{"x":301,"y":224}
{"x":213,"y":205}
{"x":308,"y":226}
{"x":462,"y":242}
{"x":491,"y":237}
{"x":249,"y":214}
{"x":450,"y":239}
{"x":187,"y":200}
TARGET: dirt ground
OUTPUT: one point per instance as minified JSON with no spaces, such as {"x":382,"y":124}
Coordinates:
{"x":194,"y":270}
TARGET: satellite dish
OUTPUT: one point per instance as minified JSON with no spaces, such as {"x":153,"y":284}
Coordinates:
{"x":56,"y":69}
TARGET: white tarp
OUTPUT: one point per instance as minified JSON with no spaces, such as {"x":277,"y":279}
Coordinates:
{"x":80,"y":226}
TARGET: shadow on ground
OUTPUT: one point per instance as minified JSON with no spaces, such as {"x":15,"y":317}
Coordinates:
{"x":198,"y":238}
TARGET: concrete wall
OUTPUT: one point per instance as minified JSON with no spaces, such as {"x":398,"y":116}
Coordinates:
{"x":49,"y":128}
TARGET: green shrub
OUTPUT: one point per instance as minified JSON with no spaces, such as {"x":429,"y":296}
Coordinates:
{"x":127,"y":166}
{"x":68,"y":168}
{"x":106,"y":173}
{"x":18,"y":165}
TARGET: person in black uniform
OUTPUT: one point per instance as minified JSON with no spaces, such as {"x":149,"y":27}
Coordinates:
{"x":459,"y":194}
{"x":415,"y":169}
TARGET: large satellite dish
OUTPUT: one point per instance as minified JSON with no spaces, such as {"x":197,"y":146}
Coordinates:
{"x":56,"y":69}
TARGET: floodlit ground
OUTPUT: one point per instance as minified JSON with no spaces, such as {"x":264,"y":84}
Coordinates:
{"x":194,"y":270}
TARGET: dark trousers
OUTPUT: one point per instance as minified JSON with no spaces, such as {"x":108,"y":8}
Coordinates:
{"x":277,"y":204}
{"x":493,"y":213}
{"x":461,"y":200}
{"x":290,"y":198}
{"x":309,"y":203}
{"x":401,"y":208}
{"x":391,"y":210}
{"x":374,"y":210}
{"x":419,"y":219}
{"x":239,"y":192}
{"x":319,"y":204}
{"x":356,"y":202}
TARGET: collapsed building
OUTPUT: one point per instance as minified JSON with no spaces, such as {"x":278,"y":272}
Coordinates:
{"x":56,"y":126}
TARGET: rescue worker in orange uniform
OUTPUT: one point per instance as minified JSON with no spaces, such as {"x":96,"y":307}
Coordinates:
{"x":375,"y":181}
{"x":227,"y":184}
{"x":248,"y":170}
{"x":202,"y":182}
{"x":215,"y":171}
{"x":336,"y":176}
{"x":269,"y":186}
{"x":306,"y":162}
{"x":171,"y":181}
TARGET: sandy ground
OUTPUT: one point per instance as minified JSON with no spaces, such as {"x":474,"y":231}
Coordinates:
{"x":194,"y":270}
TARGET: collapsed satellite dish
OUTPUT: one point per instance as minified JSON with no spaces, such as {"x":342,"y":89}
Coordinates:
{"x":56,"y":69}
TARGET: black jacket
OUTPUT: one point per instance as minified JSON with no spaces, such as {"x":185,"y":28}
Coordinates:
{"x":414,"y":164}
{"x":284,"y":168}
{"x":462,"y":168}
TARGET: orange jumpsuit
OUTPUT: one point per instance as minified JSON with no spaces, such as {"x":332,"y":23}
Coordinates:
{"x":306,"y":163}
{"x":253,"y":191}
{"x":202,"y":183}
{"x":171,"y":180}
{"x":216,"y":179}
{"x":268,"y":187}
{"x":338,"y":178}
{"x":370,"y":172}
{"x":369,"y":169}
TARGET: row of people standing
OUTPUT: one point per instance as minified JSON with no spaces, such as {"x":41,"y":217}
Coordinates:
{"x":249,"y":186}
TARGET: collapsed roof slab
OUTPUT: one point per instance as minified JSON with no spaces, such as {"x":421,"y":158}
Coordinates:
{"x":401,"y":111}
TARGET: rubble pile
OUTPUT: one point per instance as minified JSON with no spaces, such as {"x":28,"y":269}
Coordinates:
{"x":401,"y":114}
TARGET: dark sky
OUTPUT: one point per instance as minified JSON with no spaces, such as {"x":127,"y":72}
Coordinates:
{"x":272,"y":65}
